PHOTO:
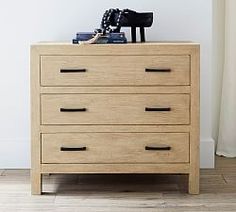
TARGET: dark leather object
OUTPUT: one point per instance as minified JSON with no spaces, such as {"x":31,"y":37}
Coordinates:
{"x":133,"y":19}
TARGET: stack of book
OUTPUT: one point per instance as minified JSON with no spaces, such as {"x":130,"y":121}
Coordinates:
{"x":118,"y":38}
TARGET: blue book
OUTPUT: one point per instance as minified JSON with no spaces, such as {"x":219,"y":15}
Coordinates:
{"x":84,"y":36}
{"x":118,"y":38}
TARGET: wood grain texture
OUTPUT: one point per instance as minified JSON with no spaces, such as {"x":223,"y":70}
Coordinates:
{"x":118,"y":90}
{"x":115,"y":109}
{"x":115,"y":148}
{"x":117,"y":86}
{"x":138,"y":49}
{"x":195,"y":123}
{"x":181,"y":168}
{"x":115,"y":71}
{"x":114,"y":128}
{"x":35,"y":123}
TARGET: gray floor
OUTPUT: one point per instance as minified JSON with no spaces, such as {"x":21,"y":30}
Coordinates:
{"x":121,"y":192}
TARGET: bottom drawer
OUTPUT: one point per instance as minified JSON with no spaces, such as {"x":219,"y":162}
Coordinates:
{"x":115,"y":148}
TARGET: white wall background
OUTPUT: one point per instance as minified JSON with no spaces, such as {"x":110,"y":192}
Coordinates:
{"x":27,"y":21}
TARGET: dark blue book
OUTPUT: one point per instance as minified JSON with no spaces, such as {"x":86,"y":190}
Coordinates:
{"x":84,"y":36}
{"x":118,"y":38}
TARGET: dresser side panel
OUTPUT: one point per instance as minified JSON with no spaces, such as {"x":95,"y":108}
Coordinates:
{"x":36,"y":178}
{"x":195,"y":122}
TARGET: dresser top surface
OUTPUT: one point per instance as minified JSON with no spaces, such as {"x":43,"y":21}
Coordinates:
{"x":148,"y":48}
{"x":156,"y":43}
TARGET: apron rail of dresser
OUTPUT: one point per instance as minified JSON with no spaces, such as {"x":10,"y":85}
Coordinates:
{"x":181,"y":168}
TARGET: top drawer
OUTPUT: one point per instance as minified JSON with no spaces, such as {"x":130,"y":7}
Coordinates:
{"x":114,"y":70}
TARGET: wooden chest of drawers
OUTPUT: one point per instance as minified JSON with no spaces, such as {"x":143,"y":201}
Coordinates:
{"x":130,"y":108}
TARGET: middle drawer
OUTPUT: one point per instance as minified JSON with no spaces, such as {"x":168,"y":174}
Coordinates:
{"x":115,"y":109}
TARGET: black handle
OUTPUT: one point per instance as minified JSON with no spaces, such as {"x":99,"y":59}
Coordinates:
{"x":160,"y":109}
{"x":157,"y":70}
{"x":157,"y":148}
{"x":73,"y":109}
{"x":71,"y":149}
{"x":73,"y":70}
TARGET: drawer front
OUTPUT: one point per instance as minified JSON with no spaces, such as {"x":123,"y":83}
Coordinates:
{"x":114,"y":70}
{"x":115,"y":109}
{"x":115,"y":148}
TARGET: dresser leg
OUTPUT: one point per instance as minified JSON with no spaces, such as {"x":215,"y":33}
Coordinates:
{"x":193,"y":184}
{"x":36,"y":183}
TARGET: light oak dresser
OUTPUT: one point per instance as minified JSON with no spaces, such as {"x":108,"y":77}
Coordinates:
{"x":127,"y":108}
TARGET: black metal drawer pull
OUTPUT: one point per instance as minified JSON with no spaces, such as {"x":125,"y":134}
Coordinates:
{"x":72,"y":70}
{"x":157,"y":70}
{"x":157,"y":148}
{"x":71,"y":149}
{"x":73,"y":109}
{"x":160,"y":109}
